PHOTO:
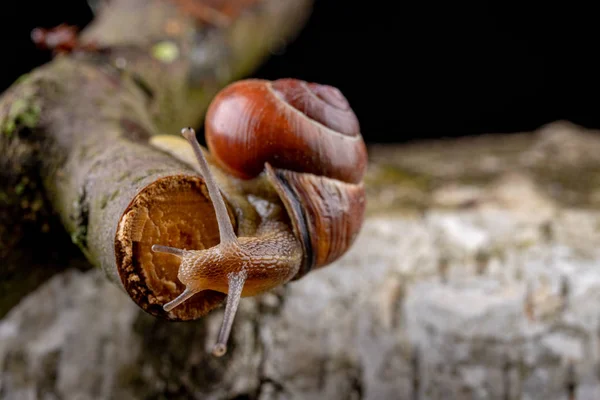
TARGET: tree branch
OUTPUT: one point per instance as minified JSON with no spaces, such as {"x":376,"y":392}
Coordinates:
{"x":80,"y":126}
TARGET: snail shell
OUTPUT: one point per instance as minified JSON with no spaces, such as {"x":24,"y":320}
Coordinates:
{"x":306,"y":139}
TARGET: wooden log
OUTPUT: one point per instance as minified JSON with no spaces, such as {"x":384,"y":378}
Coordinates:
{"x":475,"y":277}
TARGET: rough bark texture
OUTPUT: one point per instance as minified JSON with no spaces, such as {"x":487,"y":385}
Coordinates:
{"x":476,"y":277}
{"x":75,"y":133}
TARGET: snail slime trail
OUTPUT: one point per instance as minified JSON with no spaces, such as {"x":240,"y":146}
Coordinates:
{"x":297,"y":146}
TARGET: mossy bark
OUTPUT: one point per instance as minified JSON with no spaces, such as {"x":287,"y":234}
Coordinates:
{"x":75,"y":132}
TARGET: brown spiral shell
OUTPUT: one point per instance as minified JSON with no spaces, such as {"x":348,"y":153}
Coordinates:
{"x":291,"y":124}
{"x":307,"y":139}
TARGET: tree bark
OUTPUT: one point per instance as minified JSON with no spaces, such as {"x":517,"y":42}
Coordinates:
{"x":76,"y":132}
{"x":475,"y":277}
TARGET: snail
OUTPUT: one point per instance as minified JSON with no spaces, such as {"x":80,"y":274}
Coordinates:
{"x":296,"y":144}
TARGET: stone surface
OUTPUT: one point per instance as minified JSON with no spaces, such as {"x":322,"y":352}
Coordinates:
{"x":476,"y":276}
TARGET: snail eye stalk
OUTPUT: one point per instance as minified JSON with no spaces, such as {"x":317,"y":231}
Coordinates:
{"x":228,"y":243}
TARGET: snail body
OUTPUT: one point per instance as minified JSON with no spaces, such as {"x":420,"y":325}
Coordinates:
{"x":294,"y":155}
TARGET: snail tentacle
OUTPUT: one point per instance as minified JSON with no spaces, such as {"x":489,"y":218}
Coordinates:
{"x":193,"y":262}
{"x":169,"y":250}
{"x":186,"y":294}
{"x":234,"y":294}
{"x":225,"y":226}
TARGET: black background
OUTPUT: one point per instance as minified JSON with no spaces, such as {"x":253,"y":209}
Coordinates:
{"x":410,"y":71}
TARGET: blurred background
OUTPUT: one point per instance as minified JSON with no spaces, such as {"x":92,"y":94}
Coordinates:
{"x":414,"y":70}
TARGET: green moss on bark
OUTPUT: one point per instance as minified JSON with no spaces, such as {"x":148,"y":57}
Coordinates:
{"x":20,"y":112}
